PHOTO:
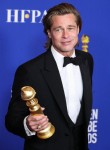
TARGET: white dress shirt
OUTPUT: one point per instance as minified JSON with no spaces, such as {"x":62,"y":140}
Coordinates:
{"x":72,"y":84}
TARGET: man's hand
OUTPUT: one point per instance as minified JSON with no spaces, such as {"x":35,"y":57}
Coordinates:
{"x":37,"y":122}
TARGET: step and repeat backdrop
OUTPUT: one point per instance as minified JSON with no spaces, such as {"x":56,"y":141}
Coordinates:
{"x":22,"y":38}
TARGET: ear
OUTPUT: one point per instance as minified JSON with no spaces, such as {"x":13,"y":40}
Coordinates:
{"x":49,"y":33}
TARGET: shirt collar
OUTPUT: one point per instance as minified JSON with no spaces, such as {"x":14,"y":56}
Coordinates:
{"x":59,"y":58}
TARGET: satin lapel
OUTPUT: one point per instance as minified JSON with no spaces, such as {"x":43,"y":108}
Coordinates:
{"x":52,"y":77}
{"x":86,"y":88}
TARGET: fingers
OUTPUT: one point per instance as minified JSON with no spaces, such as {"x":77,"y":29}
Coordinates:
{"x":42,"y":125}
{"x":37,"y":122}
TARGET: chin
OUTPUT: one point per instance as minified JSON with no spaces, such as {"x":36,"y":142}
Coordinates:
{"x":68,"y":50}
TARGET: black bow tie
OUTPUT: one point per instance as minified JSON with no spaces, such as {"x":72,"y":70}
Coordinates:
{"x":75,"y":61}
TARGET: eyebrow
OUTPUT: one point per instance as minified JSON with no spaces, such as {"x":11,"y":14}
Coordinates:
{"x":67,"y":26}
{"x":72,"y":25}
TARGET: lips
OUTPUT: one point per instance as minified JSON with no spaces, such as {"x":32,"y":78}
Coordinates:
{"x":66,"y":42}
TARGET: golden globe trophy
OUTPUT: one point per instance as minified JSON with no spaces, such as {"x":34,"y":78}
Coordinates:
{"x":28,"y":95}
{"x":85,"y":40}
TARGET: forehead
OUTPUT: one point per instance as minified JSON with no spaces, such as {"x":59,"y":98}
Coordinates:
{"x":68,"y":19}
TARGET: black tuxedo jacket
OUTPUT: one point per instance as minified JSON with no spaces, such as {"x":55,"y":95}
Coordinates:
{"x":42,"y":74}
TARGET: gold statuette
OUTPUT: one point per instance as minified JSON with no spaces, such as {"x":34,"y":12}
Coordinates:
{"x":28,"y":95}
{"x":85,"y":41}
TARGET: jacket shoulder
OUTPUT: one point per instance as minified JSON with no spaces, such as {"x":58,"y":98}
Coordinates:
{"x":86,"y":55}
{"x":36,"y":62}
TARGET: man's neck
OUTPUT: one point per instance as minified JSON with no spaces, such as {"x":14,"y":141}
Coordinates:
{"x":65,"y":53}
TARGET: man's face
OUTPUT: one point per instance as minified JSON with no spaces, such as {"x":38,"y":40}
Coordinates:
{"x":64,"y":33}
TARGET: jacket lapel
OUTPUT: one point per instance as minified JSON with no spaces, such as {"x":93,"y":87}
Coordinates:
{"x":87,"y":94}
{"x":52,"y":77}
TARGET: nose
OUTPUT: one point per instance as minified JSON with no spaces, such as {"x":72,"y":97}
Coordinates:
{"x":65,"y":34}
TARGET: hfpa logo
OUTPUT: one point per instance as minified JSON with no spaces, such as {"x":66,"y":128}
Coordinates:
{"x":21,"y":16}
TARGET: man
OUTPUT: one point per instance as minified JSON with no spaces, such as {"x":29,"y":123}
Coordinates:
{"x":64,"y":90}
